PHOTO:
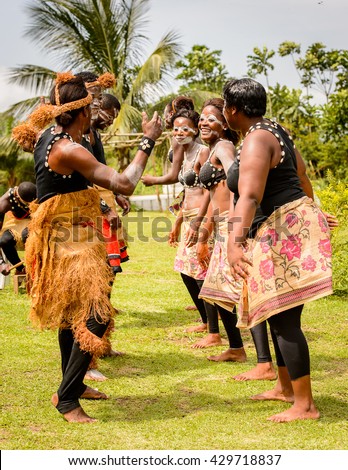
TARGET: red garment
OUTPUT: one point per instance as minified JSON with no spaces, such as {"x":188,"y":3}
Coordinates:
{"x":112,"y":247}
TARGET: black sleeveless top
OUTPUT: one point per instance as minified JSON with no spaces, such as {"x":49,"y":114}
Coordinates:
{"x":97,"y":148}
{"x":209,"y":174}
{"x":18,"y":208}
{"x":283,"y":184}
{"x":48,"y":182}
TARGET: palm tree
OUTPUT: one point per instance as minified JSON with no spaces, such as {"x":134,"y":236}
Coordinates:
{"x":259,"y":64}
{"x":100,"y":36}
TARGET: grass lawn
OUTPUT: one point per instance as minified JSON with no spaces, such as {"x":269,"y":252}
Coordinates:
{"x":164,"y":394}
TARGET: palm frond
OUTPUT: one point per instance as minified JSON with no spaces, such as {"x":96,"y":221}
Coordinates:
{"x":8,"y":147}
{"x":152,"y":78}
{"x":35,"y":78}
{"x":21,"y":110}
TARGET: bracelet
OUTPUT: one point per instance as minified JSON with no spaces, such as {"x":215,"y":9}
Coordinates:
{"x":104,"y":207}
{"x":146,"y":145}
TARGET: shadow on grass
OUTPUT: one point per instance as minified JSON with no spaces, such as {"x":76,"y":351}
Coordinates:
{"x":163,"y":407}
{"x":140,"y":365}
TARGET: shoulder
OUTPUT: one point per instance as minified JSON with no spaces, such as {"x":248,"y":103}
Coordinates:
{"x":263,"y":138}
{"x":224,"y":149}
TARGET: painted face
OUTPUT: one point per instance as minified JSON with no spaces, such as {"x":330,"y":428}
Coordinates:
{"x":96,"y":93}
{"x":211,"y":124}
{"x":106,"y":117}
{"x":183,"y":130}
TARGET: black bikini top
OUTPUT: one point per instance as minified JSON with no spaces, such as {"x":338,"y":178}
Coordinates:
{"x":189,"y":178}
{"x":209,"y":174}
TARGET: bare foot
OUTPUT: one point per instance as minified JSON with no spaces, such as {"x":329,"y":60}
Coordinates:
{"x":263,"y":371}
{"x":78,"y":415}
{"x":190,"y":307}
{"x":232,"y":355}
{"x":88,"y":394}
{"x":94,"y":374}
{"x":212,"y":339}
{"x":93,"y":394}
{"x":296,"y":412}
{"x":197,"y":329}
{"x":113,"y":353}
{"x":54,"y":399}
{"x":274,"y":394}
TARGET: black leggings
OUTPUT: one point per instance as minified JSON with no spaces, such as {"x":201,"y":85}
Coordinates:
{"x":75,"y":363}
{"x":194,"y":288}
{"x":290,"y":344}
{"x":8,"y":245}
{"x":260,"y":338}
{"x":229,"y":320}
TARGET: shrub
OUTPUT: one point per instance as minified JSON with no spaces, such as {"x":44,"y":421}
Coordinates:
{"x":334,"y":199}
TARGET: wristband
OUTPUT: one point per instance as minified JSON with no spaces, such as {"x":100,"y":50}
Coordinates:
{"x":146,"y":145}
{"x":104,"y":207}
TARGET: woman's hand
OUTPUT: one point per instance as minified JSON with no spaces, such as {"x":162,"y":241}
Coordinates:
{"x":4,"y":269}
{"x":152,"y":129}
{"x":174,"y":235}
{"x":114,"y":220}
{"x":331,"y":220}
{"x":203,"y":254}
{"x":148,"y":180}
{"x":191,"y":236}
{"x":238,"y":261}
{"x":124,"y":203}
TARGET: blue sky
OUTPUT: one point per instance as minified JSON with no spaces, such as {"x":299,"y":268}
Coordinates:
{"x":233,"y":26}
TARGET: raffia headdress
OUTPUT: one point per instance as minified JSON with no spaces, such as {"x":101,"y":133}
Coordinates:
{"x":25,"y":134}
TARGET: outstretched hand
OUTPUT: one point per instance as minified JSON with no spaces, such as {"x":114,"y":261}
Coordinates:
{"x":153,"y":128}
{"x":331,"y":220}
{"x":147,"y":180}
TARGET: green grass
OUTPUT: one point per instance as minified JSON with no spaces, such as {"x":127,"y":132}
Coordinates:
{"x":163,"y":394}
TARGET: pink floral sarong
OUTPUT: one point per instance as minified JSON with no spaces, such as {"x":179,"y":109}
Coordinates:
{"x":291,"y":256}
{"x":186,"y":260}
{"x":219,"y":286}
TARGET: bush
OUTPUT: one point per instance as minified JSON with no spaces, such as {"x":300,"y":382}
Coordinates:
{"x":334,"y":199}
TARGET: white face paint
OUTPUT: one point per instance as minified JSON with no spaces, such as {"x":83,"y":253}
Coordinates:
{"x":183,"y":140}
{"x":183,"y":129}
{"x":210,"y":119}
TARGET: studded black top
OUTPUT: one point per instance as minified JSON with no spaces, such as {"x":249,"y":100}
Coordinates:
{"x":48,"y":182}
{"x":283,"y":184}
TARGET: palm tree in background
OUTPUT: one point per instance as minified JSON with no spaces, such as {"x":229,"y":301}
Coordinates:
{"x":259,"y":64}
{"x":99,"y":36}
